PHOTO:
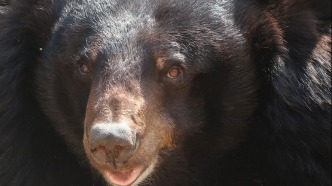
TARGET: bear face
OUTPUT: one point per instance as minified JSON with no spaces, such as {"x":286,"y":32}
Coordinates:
{"x":153,"y":93}
{"x":137,"y":89}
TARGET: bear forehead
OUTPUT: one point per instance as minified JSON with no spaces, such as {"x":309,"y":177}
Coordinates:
{"x":116,"y":18}
{"x":124,"y":26}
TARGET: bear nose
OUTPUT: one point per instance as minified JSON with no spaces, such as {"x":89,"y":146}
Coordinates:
{"x":112,"y":142}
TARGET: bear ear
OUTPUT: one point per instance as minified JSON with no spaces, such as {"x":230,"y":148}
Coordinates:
{"x":42,"y":18}
{"x":33,"y":21}
{"x":320,"y":8}
{"x":24,"y":29}
{"x":290,"y":43}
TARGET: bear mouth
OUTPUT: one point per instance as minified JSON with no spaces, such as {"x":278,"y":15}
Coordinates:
{"x":124,"y":177}
{"x":130,"y":176}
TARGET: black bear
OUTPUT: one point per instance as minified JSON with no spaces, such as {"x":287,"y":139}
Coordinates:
{"x":165,"y":93}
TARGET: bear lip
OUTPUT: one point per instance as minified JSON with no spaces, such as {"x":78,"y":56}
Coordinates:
{"x":124,"y":177}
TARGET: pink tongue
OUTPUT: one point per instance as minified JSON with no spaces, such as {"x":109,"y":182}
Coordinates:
{"x":124,"y":178}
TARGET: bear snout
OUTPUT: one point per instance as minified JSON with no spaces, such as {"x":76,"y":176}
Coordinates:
{"x":112,"y":143}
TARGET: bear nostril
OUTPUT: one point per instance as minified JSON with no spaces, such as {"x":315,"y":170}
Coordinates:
{"x":114,"y":143}
{"x":98,"y":148}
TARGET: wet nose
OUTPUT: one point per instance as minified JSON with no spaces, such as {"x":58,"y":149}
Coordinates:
{"x":112,"y":142}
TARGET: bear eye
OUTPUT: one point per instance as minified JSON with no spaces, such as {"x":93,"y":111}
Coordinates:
{"x":174,"y":72}
{"x":84,"y":68}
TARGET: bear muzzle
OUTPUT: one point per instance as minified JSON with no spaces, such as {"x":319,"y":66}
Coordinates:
{"x":112,"y":143}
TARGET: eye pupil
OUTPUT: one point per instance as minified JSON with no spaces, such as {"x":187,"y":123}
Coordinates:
{"x":174,"y":72}
{"x":84,"y":68}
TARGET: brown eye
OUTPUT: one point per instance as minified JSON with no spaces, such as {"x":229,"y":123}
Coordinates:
{"x":84,"y":68}
{"x":174,"y":72}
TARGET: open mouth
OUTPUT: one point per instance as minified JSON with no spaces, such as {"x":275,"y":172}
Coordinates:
{"x":129,"y":177}
{"x":124,"y":177}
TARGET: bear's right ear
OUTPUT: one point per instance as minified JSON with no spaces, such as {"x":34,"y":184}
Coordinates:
{"x":41,"y":19}
{"x":27,"y":24}
{"x":24,"y":30}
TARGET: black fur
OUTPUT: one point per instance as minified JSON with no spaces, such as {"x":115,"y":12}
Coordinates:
{"x":258,"y":111}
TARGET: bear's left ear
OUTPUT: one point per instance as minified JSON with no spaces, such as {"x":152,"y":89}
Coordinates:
{"x":290,"y":43}
{"x":321,"y":8}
